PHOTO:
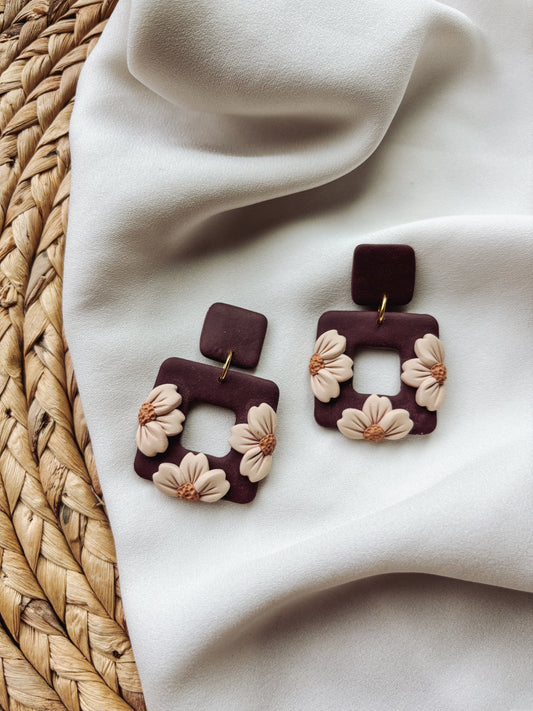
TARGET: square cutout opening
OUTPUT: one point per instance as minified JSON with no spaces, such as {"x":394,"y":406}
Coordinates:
{"x":377,"y":370}
{"x":207,"y":429}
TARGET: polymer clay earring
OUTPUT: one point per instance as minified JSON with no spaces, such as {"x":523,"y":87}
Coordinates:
{"x":383,"y":276}
{"x":233,"y":336}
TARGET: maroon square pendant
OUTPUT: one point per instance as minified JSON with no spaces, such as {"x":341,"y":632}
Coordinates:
{"x":397,"y":332}
{"x":234,"y":336}
{"x":198,"y":382}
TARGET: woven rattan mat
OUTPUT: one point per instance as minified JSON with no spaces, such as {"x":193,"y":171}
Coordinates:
{"x":63,"y":638}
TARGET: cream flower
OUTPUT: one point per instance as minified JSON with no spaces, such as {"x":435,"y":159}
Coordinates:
{"x":329,"y":366}
{"x":192,"y":480}
{"x":256,"y":441}
{"x":427,"y":373}
{"x":376,"y":421}
{"x":159,"y":420}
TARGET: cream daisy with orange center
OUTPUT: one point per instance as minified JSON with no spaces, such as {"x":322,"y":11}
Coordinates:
{"x":159,"y":419}
{"x":256,"y":441}
{"x":329,"y":366}
{"x":376,"y":421}
{"x":192,"y":480}
{"x":427,"y":373}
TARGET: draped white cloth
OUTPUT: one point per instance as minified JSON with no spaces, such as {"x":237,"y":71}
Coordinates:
{"x":238,"y":152}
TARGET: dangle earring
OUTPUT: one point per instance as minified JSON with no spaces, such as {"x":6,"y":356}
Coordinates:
{"x":383,"y":276}
{"x":232,"y":336}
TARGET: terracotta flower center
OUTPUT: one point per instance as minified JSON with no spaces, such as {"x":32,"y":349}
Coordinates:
{"x":438,"y":371}
{"x":316,"y":363}
{"x":267,"y":444}
{"x":187,"y":492}
{"x":146,"y":413}
{"x":374,"y":433}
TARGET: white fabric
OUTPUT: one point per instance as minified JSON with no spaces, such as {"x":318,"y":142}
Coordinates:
{"x":220,"y":154}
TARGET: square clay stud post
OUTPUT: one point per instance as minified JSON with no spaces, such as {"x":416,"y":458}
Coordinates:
{"x":383,"y":269}
{"x":230,"y":328}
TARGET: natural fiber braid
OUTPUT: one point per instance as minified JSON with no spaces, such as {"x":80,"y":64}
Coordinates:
{"x":30,"y":20}
{"x":9,"y":9}
{"x":21,"y":126}
{"x":32,"y":67}
{"x":98,"y":636}
{"x":40,"y":59}
{"x":89,"y":535}
{"x":81,"y":432}
{"x":41,"y":637}
{"x":66,"y":481}
{"x":20,"y":685}
{"x":85,"y":18}
{"x":35,"y":627}
{"x":44,"y":547}
{"x":81,"y":435}
{"x":10,"y":13}
{"x":7,"y":294}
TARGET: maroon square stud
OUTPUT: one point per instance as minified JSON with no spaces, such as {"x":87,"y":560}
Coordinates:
{"x":380,"y":269}
{"x":233,"y":329}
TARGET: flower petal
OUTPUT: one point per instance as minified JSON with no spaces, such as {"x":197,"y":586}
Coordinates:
{"x":151,"y":439}
{"x":166,"y":478}
{"x":255,"y":465}
{"x":242,"y":439}
{"x":414,"y":372}
{"x":353,"y":423}
{"x":324,"y":385}
{"x":215,"y":495}
{"x":341,"y":368}
{"x":171,"y":423}
{"x":262,"y":420}
{"x":164,"y":398}
{"x":192,"y":465}
{"x":376,"y":407}
{"x":330,"y":345}
{"x":212,"y":485}
{"x":429,"y":349}
{"x":430,"y":394}
{"x":396,"y":424}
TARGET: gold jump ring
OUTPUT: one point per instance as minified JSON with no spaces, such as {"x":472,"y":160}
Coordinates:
{"x":381,"y":311}
{"x":225,"y":367}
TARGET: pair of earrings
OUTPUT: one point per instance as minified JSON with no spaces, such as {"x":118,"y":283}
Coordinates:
{"x":382,"y":276}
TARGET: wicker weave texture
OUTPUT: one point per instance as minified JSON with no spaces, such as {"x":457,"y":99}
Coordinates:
{"x":63,"y":638}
